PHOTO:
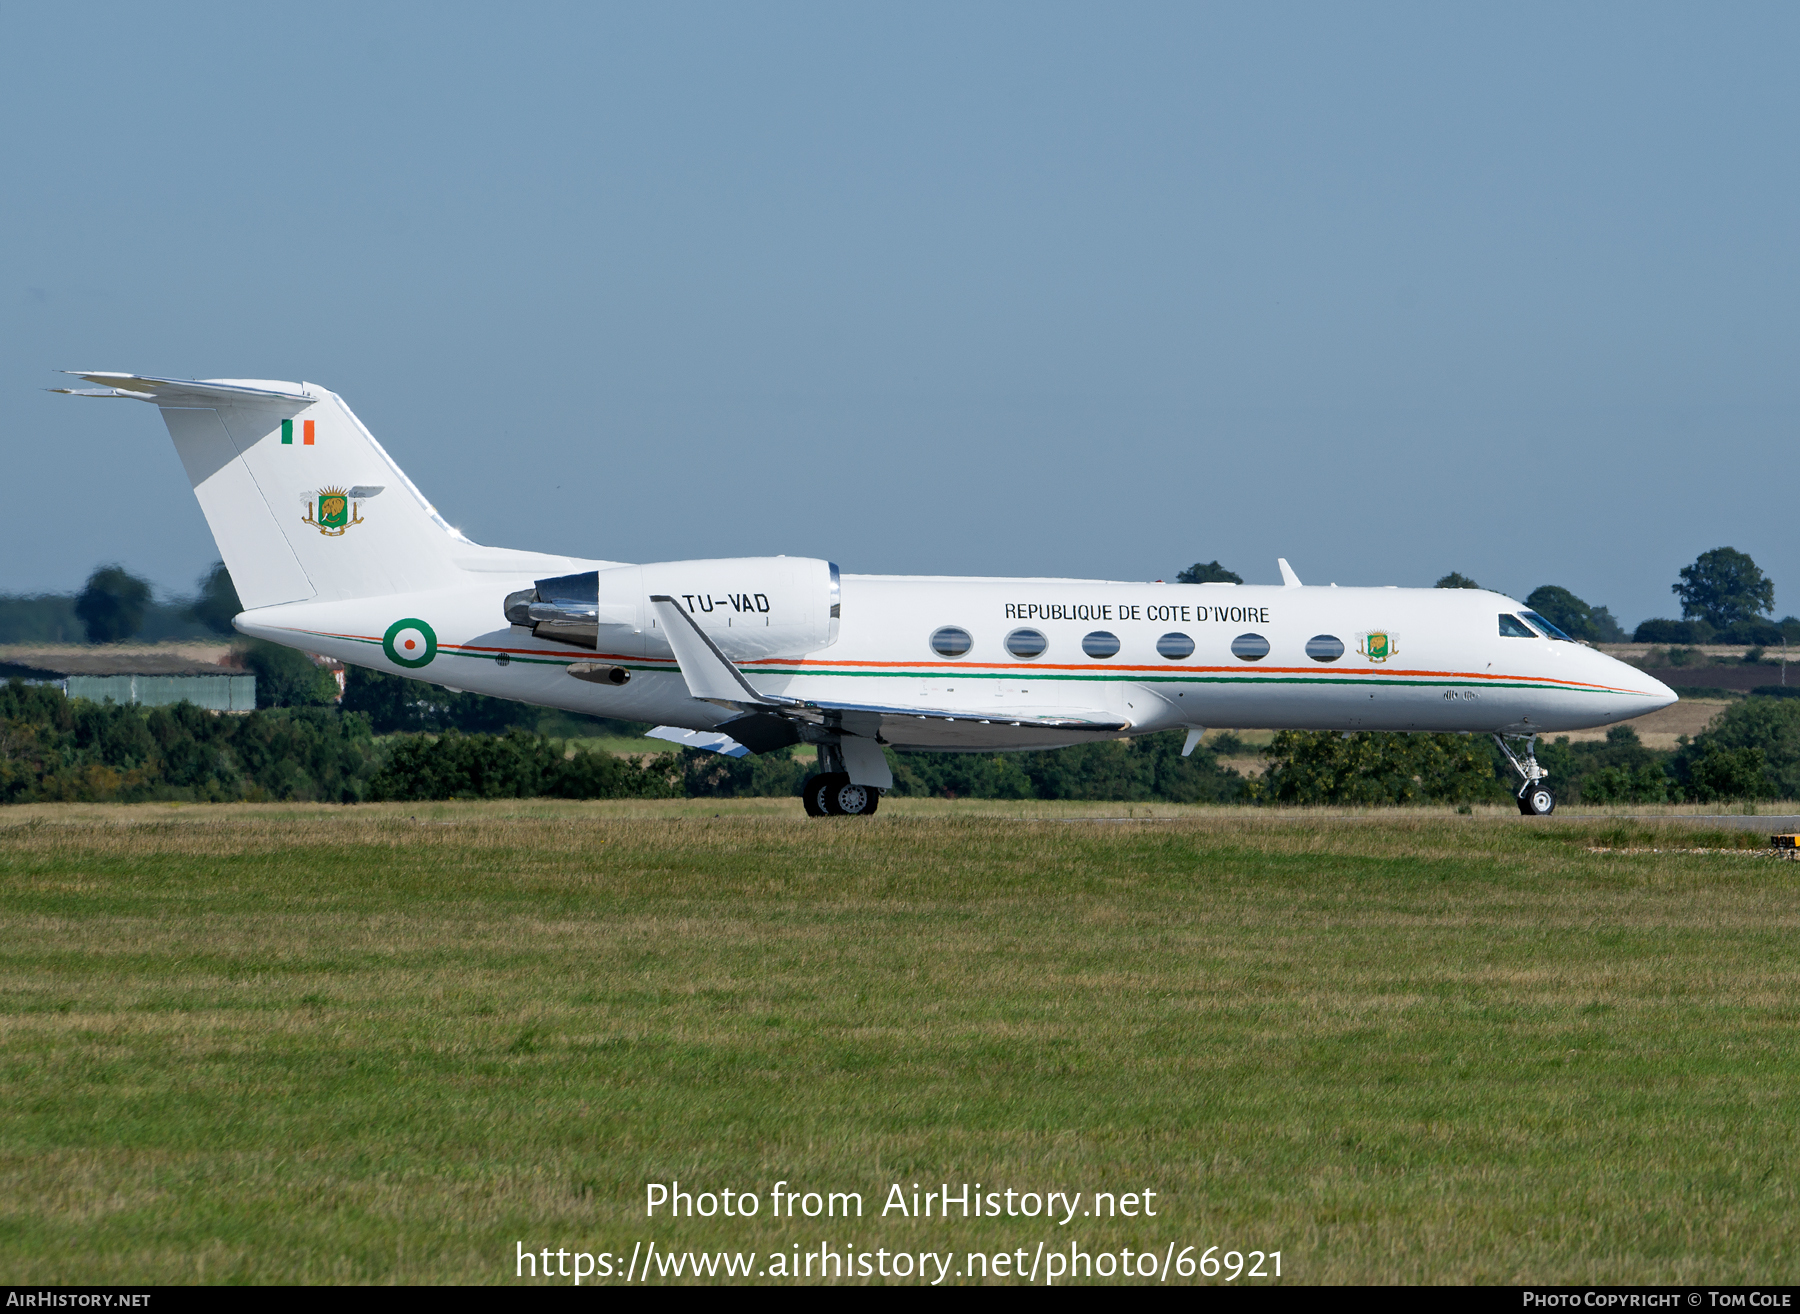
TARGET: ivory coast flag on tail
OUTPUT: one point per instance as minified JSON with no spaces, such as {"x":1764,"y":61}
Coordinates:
{"x":306,"y":433}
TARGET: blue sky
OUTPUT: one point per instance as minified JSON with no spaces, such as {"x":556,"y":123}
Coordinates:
{"x":1014,"y":289}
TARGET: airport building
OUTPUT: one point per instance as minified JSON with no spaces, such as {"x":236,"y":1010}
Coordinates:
{"x":153,"y":679}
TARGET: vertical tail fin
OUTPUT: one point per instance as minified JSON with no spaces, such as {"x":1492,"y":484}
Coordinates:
{"x":301,"y":499}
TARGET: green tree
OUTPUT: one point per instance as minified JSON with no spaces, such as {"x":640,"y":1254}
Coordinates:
{"x":1607,"y":628}
{"x":1724,"y":587}
{"x":59,"y":749}
{"x":1144,"y":768}
{"x":1728,"y":773}
{"x":1208,"y":572}
{"x":40,"y":618}
{"x":1565,"y":611}
{"x":1456,"y":581}
{"x":1324,"y":766}
{"x":286,"y":678}
{"x":112,"y":605}
{"x":1770,"y":727}
{"x":393,"y":703}
{"x":1662,"y":630}
{"x":514,"y":765}
{"x":218,"y":601}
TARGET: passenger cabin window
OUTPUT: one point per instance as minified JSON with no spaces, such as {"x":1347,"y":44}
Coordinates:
{"x":1250,"y":647}
{"x":1549,"y":631}
{"x":1175,"y":646}
{"x":1026,"y":644}
{"x":1324,"y":647}
{"x":1511,"y":627}
{"x":1100,"y":644}
{"x":950,"y":641}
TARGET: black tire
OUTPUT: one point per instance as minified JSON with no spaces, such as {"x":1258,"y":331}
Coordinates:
{"x":825,"y":788}
{"x":812,"y":795}
{"x":1537,"y":801}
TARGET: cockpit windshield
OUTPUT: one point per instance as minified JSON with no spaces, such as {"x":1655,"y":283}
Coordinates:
{"x":1549,"y":631}
{"x":1511,"y":627}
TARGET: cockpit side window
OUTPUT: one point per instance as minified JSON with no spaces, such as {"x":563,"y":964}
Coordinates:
{"x":1511,"y":627}
{"x":1548,"y":630}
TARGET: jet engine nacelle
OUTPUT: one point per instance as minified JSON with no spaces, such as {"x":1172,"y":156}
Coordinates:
{"x":752,"y":607}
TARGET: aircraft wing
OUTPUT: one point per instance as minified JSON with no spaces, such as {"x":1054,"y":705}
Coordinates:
{"x":712,"y":677}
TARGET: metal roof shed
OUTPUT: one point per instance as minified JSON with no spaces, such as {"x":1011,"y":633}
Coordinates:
{"x":153,"y":680}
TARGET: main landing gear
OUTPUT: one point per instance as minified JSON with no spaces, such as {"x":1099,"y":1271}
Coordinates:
{"x":830,"y":793}
{"x":1535,"y":798}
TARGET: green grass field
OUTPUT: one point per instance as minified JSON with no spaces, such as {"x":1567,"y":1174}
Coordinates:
{"x":391,"y":1043}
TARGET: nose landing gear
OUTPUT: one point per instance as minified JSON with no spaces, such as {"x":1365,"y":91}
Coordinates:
{"x":1535,"y":798}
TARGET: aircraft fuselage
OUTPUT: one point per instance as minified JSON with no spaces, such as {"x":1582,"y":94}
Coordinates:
{"x":1381,"y":658}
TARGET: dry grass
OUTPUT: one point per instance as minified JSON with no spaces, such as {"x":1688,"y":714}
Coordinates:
{"x":1661,"y":729}
{"x":193,"y":650}
{"x":262,"y":1043}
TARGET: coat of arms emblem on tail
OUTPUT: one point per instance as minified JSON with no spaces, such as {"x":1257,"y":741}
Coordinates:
{"x":333,"y":510}
{"x":1378,"y":646}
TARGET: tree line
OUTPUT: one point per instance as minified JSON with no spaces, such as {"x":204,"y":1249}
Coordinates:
{"x":1725,"y":598}
{"x":395,"y":738}
{"x":115,"y":606}
{"x":57,"y":749}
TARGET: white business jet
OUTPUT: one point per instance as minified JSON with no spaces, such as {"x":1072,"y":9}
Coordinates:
{"x":334,"y":551}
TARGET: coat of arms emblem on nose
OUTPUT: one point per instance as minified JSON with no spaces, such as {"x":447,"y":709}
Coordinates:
{"x":1377,"y":646}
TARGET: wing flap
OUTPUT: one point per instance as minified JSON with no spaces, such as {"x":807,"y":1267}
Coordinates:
{"x":710,"y":740}
{"x":1070,"y":719}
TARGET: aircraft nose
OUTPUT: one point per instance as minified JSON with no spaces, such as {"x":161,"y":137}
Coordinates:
{"x":1660,"y":694}
{"x":1648,"y":694}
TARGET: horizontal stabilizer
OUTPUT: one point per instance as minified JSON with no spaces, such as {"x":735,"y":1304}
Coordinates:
{"x":173,"y":392}
{"x":710,"y":740}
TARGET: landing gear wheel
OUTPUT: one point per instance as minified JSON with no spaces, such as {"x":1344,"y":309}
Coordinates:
{"x":832,"y":795}
{"x":1535,"y":798}
{"x":1537,"y":802}
{"x":840,"y":798}
{"x":848,"y":800}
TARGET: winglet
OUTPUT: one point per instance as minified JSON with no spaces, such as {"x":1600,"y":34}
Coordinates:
{"x":1288,"y":578}
{"x":708,"y":672}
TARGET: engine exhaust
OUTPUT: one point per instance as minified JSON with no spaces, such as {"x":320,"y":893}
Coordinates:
{"x":599,"y":673}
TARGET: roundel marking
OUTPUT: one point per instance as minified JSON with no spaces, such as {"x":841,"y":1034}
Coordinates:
{"x":410,"y":643}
